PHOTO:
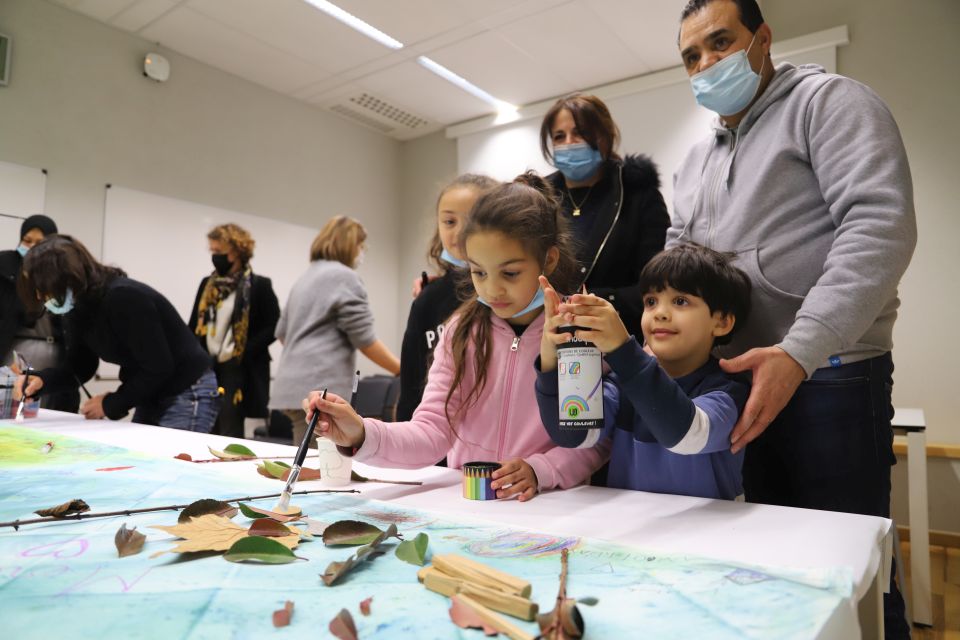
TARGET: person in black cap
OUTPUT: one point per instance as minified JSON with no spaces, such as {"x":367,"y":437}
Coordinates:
{"x":36,"y":336}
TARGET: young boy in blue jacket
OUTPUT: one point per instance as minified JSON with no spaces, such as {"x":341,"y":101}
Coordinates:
{"x":668,"y":414}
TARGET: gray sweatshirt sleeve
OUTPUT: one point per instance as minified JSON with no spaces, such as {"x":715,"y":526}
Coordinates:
{"x":354,"y":317}
{"x":861,"y":165}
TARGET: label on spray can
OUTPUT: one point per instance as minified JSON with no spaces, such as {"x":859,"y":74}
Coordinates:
{"x":580,"y":383}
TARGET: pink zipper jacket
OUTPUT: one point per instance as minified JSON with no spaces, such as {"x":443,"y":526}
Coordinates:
{"x":503,"y":423}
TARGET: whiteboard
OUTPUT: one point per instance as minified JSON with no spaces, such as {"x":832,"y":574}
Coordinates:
{"x":22,"y":194}
{"x":663,"y":122}
{"x":162,"y":242}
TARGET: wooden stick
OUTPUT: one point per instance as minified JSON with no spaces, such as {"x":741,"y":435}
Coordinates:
{"x":16,"y":524}
{"x":499,"y":623}
{"x":439,"y":582}
{"x":479,"y":573}
{"x":241,"y":459}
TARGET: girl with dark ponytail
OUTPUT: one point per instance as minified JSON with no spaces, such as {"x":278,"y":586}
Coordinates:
{"x":479,"y":402}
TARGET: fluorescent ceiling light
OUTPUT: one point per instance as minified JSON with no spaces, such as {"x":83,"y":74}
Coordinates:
{"x":503,"y":108}
{"x":356,"y":23}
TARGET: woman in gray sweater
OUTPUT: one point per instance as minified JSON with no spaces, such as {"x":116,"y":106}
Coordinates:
{"x":326,"y":320}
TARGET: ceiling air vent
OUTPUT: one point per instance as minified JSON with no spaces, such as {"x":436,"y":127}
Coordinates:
{"x":388,"y":111}
{"x":373,"y":123}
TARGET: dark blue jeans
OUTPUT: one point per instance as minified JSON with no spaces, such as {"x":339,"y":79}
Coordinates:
{"x":194,"y":409}
{"x":831,"y":448}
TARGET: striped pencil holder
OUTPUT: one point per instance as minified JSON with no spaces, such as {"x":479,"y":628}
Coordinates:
{"x":477,"y":477}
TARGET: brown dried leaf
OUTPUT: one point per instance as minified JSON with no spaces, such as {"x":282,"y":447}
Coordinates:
{"x":466,"y":618}
{"x":365,"y":605}
{"x":336,"y":570}
{"x":128,"y":541}
{"x":306,"y":473}
{"x":211,"y":533}
{"x":269,"y":528}
{"x":65,"y":509}
{"x":207,"y":505}
{"x":184,"y":456}
{"x":343,"y":627}
{"x":281,"y":617}
{"x":350,"y":532}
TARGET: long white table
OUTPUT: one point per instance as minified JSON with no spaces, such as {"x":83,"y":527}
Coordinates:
{"x":729,"y":531}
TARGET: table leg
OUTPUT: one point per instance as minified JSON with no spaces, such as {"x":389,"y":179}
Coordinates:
{"x":919,"y":528}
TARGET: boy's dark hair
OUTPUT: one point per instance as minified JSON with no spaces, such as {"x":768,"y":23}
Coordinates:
{"x":705,"y":273}
{"x":750,"y":14}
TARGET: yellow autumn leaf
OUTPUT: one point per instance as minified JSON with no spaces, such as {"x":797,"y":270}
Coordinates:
{"x":212,"y":533}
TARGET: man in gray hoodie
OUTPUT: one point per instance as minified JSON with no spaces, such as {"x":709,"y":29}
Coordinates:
{"x":806,"y":180}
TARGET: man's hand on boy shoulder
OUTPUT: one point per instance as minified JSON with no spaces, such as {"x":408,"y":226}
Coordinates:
{"x":600,"y":321}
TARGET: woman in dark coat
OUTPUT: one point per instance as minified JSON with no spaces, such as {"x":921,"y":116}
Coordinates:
{"x":613,"y":204}
{"x":234,"y":317}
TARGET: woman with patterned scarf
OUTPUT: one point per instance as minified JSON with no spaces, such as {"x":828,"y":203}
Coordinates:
{"x":234,"y":317}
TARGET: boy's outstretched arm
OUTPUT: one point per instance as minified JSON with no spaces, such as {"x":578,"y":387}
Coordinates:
{"x":679,"y":423}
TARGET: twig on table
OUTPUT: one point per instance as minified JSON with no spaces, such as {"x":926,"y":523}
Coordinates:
{"x":16,"y":524}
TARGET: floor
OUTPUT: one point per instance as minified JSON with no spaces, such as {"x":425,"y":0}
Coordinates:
{"x":945,"y":585}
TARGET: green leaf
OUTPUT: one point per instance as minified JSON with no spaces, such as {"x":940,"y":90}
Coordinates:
{"x":276,"y":469}
{"x":207,"y":505}
{"x":414,"y":551}
{"x":350,"y":533}
{"x":590,"y":601}
{"x":250,"y":513}
{"x":356,"y":477}
{"x":227,"y":455}
{"x":239,"y":450}
{"x":259,"y":549}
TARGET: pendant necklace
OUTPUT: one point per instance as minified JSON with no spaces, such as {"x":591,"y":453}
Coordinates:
{"x":577,"y":207}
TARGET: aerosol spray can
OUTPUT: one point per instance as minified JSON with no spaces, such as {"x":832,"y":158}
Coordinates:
{"x":579,"y":370}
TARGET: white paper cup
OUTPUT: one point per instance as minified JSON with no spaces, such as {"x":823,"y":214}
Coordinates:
{"x":334,"y":468}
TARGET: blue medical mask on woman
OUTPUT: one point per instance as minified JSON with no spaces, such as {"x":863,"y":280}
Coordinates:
{"x":536,"y":303}
{"x":577,"y":161}
{"x":729,"y":85}
{"x":60,"y":309}
{"x":22,"y":250}
{"x":446,"y":256}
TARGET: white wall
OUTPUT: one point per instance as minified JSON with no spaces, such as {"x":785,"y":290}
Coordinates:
{"x":78,"y":106}
{"x":427,"y":165}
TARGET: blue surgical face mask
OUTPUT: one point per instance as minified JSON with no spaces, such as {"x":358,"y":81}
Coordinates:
{"x":577,"y":161}
{"x":536,"y":303}
{"x":22,"y":250}
{"x":60,"y":309}
{"x":729,"y":85}
{"x":446,"y":256}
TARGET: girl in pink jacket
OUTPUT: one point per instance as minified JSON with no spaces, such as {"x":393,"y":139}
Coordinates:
{"x":479,"y":402}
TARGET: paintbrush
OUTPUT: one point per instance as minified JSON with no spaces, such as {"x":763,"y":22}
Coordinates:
{"x":284,"y":503}
{"x":23,"y":394}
